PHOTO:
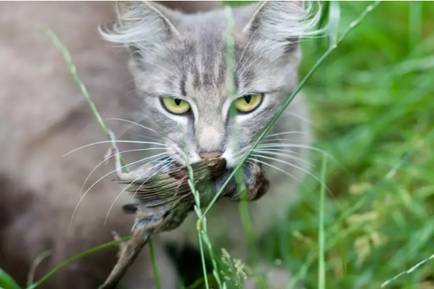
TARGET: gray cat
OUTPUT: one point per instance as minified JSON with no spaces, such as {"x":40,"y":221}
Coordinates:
{"x":179,"y":63}
{"x":179,"y":69}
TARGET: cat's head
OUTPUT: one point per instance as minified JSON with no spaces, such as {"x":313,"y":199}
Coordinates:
{"x":180,"y":66}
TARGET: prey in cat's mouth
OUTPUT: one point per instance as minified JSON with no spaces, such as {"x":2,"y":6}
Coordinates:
{"x":251,"y":172}
{"x":158,"y":185}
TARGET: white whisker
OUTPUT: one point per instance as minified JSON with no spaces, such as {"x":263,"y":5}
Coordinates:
{"x":111,"y":142}
{"x":143,"y":136}
{"x":302,"y":118}
{"x":284,"y":133}
{"x":277,"y":150}
{"x":152,"y":121}
{"x":280,"y":140}
{"x":169,"y":163}
{"x":126,"y":130}
{"x":128,"y":93}
{"x":245,"y":49}
{"x":143,"y":126}
{"x":140,"y":176}
{"x":259,"y":152}
{"x":135,"y":78}
{"x":114,"y":154}
{"x":241,"y":152}
{"x":279,"y":145}
{"x":277,"y":168}
{"x":300,"y":168}
{"x":247,"y":46}
{"x":135,"y":123}
{"x":245,"y":67}
{"x":101,"y":178}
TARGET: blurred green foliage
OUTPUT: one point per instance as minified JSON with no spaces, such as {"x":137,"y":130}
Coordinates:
{"x":372,"y":106}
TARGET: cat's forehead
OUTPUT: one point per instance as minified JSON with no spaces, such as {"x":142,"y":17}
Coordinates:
{"x":202,"y":64}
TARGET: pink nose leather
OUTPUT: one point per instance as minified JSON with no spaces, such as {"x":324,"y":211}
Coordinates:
{"x":210,"y":155}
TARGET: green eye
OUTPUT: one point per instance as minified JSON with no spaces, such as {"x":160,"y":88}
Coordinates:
{"x":248,"y":103}
{"x":176,"y":105}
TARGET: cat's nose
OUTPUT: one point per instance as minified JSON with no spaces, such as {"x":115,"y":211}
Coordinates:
{"x":210,"y":155}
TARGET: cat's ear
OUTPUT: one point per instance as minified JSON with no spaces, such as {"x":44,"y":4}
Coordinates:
{"x":142,"y":26}
{"x":279,"y":25}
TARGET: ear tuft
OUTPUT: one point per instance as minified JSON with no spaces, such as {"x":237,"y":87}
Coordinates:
{"x":282,"y":24}
{"x":142,"y":26}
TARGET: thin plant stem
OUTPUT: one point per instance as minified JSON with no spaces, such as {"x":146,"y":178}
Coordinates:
{"x":409,"y":271}
{"x":333,"y":27}
{"x":319,"y":44}
{"x":35,"y":265}
{"x":73,"y":70}
{"x":77,"y":257}
{"x":233,"y":93}
{"x":415,"y":23}
{"x":351,"y":27}
{"x":321,"y":238}
{"x":196,"y":208}
{"x":202,"y":255}
{"x":154,"y":264}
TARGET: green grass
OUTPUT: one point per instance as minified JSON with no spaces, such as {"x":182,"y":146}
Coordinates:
{"x":372,"y":104}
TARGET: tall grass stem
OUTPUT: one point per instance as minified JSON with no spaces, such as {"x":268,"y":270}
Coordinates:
{"x":75,"y":258}
{"x":73,"y":70}
{"x":321,"y":238}
{"x":351,"y":27}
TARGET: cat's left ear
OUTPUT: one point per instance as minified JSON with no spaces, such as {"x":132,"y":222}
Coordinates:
{"x":279,"y":25}
{"x":143,"y":26}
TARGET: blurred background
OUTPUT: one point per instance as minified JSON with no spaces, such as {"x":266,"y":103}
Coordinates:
{"x":372,"y":108}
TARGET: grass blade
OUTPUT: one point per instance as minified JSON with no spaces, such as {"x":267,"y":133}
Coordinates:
{"x":154,"y":264}
{"x":409,"y":271}
{"x":415,"y":23}
{"x":35,"y":265}
{"x":6,"y":281}
{"x":73,"y":69}
{"x":239,"y":176}
{"x":75,"y":258}
{"x":334,"y":18}
{"x":321,"y":238}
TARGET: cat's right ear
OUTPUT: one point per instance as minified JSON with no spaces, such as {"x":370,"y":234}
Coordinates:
{"x":142,"y":26}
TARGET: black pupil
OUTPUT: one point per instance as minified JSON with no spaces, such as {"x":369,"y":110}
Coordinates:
{"x":177,"y":101}
{"x":248,"y":98}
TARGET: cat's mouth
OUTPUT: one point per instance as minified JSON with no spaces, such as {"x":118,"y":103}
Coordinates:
{"x":214,"y":170}
{"x":252,"y":172}
{"x":255,"y":182}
